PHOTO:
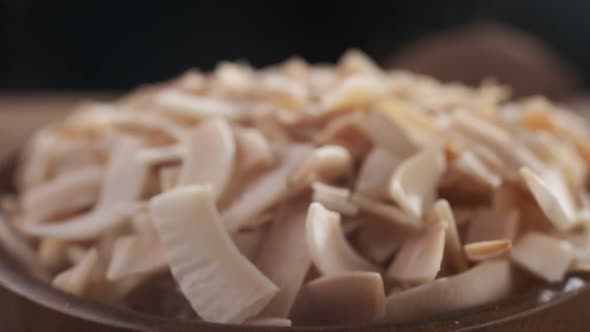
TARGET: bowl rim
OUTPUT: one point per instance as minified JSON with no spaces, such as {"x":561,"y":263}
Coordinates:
{"x":17,"y":279}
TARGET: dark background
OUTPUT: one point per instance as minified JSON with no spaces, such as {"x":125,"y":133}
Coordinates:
{"x":115,"y":45}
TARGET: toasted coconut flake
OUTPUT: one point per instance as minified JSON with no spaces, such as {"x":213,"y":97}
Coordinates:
{"x":418,"y":127}
{"x":334,"y":198}
{"x":491,"y":225}
{"x":453,"y":247}
{"x":329,"y":250}
{"x":162,"y":155}
{"x":485,"y":283}
{"x":249,"y":241}
{"x":169,"y":176}
{"x":211,"y":154}
{"x":544,"y":256}
{"x":265,"y":191}
{"x":355,"y":91}
{"x":269,"y":321}
{"x":67,"y":193}
{"x":76,"y":280}
{"x":196,"y":107}
{"x":121,"y":188}
{"x":420,"y":257}
{"x":469,"y":163}
{"x":485,"y":250}
{"x":386,"y":211}
{"x":284,"y":257}
{"x":496,"y":139}
{"x":133,"y":255}
{"x":388,"y":135}
{"x":553,"y":196}
{"x":254,"y":151}
{"x":187,"y":221}
{"x":375,"y":172}
{"x":326,"y":163}
{"x":351,"y":298}
{"x":413,"y":185}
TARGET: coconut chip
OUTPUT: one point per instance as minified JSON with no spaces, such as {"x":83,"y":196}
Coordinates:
{"x":202,"y":257}
{"x":121,"y":188}
{"x":375,"y":172}
{"x":485,"y":250}
{"x":354,"y":297}
{"x":334,"y":198}
{"x":329,"y":250}
{"x":413,"y":185}
{"x":76,"y":280}
{"x":135,"y":254}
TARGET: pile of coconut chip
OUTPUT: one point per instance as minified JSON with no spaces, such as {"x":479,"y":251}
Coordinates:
{"x":306,"y":195}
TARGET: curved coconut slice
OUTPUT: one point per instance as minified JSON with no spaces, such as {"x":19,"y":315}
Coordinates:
{"x":76,"y":280}
{"x":329,"y":250}
{"x":351,"y":298}
{"x":553,"y":196}
{"x":375,"y":173}
{"x":269,"y":321}
{"x":470,"y":164}
{"x":253,"y":149}
{"x":284,"y":91}
{"x":420,"y":258}
{"x":211,"y":153}
{"x":485,"y":250}
{"x":346,"y":130}
{"x":355,"y":91}
{"x":388,"y":135}
{"x":248,"y":242}
{"x":67,"y":193}
{"x":169,"y":176}
{"x":196,"y":107}
{"x":544,"y":256}
{"x":419,"y":128}
{"x":219,"y":282}
{"x":491,"y":225}
{"x":485,"y":283}
{"x":123,"y":185}
{"x":413,"y":185}
{"x":265,"y":191}
{"x":326,"y":163}
{"x":453,"y":247}
{"x":236,"y":79}
{"x":162,"y":155}
{"x":499,"y":141}
{"x":133,"y":255}
{"x":386,"y":211}
{"x":148,"y":122}
{"x":334,"y":198}
{"x":283,"y":256}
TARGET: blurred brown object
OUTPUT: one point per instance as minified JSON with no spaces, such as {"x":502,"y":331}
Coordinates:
{"x":22,"y":113}
{"x":488,"y":50}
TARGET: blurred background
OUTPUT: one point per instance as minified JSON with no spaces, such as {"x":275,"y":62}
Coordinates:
{"x":53,"y":52}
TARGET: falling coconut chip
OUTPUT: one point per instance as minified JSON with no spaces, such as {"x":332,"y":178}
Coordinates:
{"x":122,"y":186}
{"x":420,"y":257}
{"x":486,"y":283}
{"x":553,"y":196}
{"x":544,"y":256}
{"x":351,"y":298}
{"x":210,"y":159}
{"x":414,"y":183}
{"x":329,"y":250}
{"x":219,"y":282}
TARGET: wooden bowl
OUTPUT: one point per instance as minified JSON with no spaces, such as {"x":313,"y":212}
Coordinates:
{"x":31,"y":305}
